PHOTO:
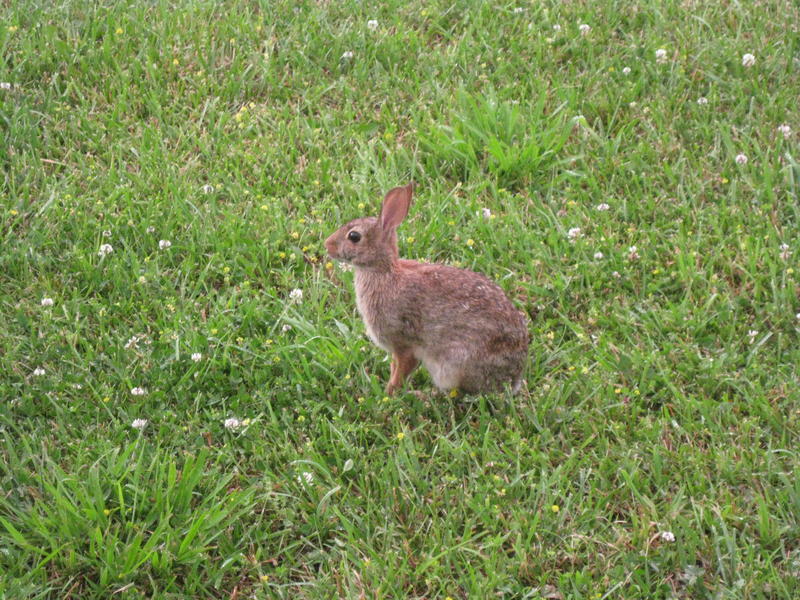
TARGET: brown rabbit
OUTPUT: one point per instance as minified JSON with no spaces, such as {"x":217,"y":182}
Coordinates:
{"x":458,"y":323}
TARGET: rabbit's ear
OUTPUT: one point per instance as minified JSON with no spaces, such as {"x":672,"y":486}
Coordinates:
{"x":395,"y":206}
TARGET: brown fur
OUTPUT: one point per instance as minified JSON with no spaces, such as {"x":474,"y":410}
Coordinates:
{"x":458,"y":323}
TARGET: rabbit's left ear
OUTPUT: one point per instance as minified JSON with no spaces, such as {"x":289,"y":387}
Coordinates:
{"x":395,"y":206}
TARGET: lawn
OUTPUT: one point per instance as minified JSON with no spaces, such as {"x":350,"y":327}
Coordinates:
{"x":189,"y":406}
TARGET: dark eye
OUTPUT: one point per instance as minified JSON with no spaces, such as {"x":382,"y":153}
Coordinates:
{"x":354,"y":236}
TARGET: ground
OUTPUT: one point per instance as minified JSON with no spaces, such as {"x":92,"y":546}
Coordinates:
{"x":190,"y":407}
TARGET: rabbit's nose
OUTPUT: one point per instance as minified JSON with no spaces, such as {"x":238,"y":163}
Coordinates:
{"x":330,"y":245}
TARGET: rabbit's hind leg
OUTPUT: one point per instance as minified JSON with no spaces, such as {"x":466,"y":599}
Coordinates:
{"x":447,"y":368}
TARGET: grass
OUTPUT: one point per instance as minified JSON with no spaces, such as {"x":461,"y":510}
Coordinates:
{"x":662,"y":387}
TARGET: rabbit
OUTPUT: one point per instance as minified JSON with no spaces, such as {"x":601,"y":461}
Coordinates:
{"x":457,"y":323}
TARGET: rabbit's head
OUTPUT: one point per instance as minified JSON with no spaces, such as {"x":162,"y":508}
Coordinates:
{"x":371,"y":242}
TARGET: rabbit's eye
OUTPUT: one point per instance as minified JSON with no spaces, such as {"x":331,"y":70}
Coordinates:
{"x":354,"y":236}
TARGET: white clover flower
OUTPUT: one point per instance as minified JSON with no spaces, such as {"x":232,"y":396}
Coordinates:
{"x":752,"y":334}
{"x":626,"y":71}
{"x":785,"y":130}
{"x":151,"y":229}
{"x":748,"y":60}
{"x":487,"y":214}
{"x":38,"y":372}
{"x":138,"y":391}
{"x":106,"y":233}
{"x":702,"y":100}
{"x":197,"y":356}
{"x":667,"y":536}
{"x":5,"y":85}
{"x":741,"y":159}
{"x":372,"y":24}
{"x":584,"y":29}
{"x":296,"y":295}
{"x":616,"y":274}
{"x":603,"y":206}
{"x":574,"y":233}
{"x":47,"y":302}
{"x":633,"y":253}
{"x":105,"y":249}
{"x":556,"y":27}
{"x":347,"y":55}
{"x":797,"y":316}
{"x":286,"y":328}
{"x":785,"y":252}
{"x":305,"y":477}
{"x":164,"y":244}
{"x":661,"y":55}
{"x":518,"y":10}
{"x":598,"y":256}
{"x":233,"y":423}
{"x":139,"y":423}
{"x":208,"y":188}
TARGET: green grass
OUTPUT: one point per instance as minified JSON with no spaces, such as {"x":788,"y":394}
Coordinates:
{"x":662,"y":386}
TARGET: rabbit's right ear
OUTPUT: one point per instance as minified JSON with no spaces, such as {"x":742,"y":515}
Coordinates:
{"x":395,"y":206}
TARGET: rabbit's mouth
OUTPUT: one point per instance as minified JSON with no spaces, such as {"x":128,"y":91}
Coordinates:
{"x":336,"y":252}
{"x":342,"y":258}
